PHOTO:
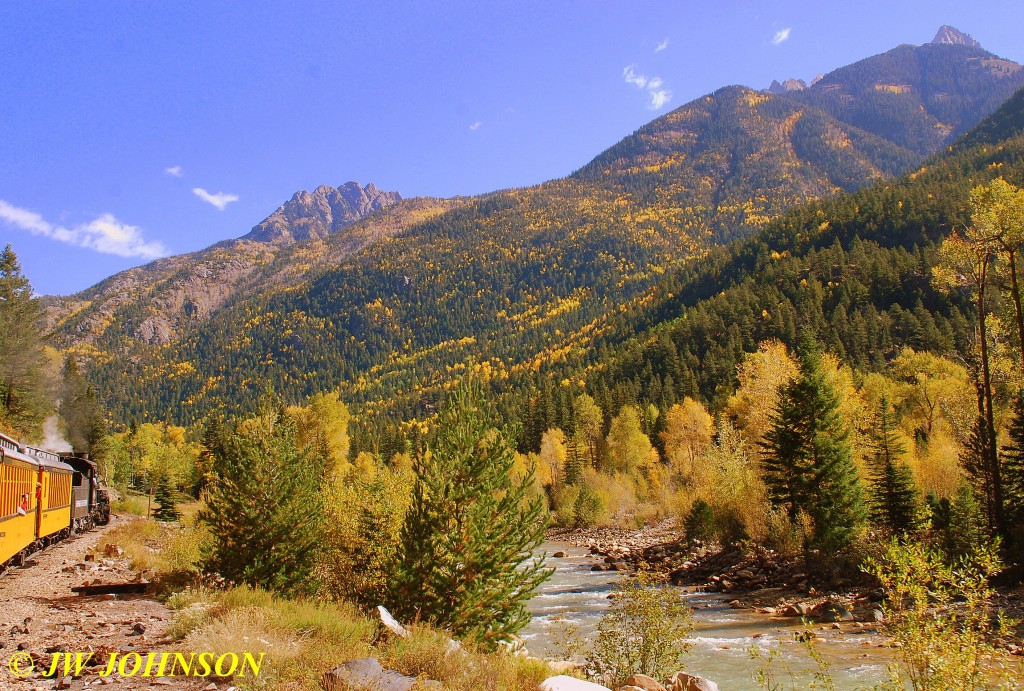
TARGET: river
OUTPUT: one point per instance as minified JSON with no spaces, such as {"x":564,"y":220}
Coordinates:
{"x":722,"y":636}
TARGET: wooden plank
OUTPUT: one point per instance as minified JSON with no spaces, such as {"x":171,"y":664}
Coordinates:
{"x":110,"y":588}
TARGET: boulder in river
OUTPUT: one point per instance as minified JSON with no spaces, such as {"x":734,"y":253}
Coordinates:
{"x":684,"y":681}
{"x":566,"y":683}
{"x":644,"y":682}
{"x":797,"y":609}
{"x":831,"y":611}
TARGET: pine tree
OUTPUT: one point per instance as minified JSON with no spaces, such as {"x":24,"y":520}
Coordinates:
{"x":163,"y":494}
{"x":974,"y":460}
{"x":264,"y":505}
{"x":470,"y":530}
{"x":893,"y":497}
{"x":966,"y":531}
{"x":83,"y":416}
{"x":1013,"y":474}
{"x":1013,"y":454}
{"x":23,"y":398}
{"x":808,"y":466}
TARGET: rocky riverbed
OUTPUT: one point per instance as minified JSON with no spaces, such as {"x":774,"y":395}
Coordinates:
{"x":726,"y":629}
{"x":758,"y":581}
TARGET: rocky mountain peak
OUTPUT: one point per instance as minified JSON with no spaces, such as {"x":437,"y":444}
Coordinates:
{"x":952,"y":36}
{"x":786,"y":86}
{"x":321,"y":212}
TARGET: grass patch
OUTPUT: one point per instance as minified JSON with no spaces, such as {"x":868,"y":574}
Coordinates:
{"x":302,"y":639}
{"x":131,"y":504}
{"x":425,"y":654}
{"x":169,"y":553}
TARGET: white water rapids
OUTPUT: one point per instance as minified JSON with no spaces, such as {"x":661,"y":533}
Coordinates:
{"x":722,"y":636}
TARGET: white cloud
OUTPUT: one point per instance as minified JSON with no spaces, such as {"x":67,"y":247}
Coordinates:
{"x":631,"y":77}
{"x":661,"y":46}
{"x":173,"y":170}
{"x":653,"y":85}
{"x":781,"y":36}
{"x":659,"y":98}
{"x":220,"y":200}
{"x":475,"y":125}
{"x":104,"y":234}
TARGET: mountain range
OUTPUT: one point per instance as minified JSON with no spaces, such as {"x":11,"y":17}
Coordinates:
{"x":387,"y":298}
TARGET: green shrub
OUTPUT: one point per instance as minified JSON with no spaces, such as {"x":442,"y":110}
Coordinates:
{"x":564,"y":505}
{"x":589,"y":508}
{"x":699,"y":523}
{"x":644,"y":632}
{"x":941,"y":619}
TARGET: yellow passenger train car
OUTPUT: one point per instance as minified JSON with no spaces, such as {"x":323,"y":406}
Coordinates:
{"x":35,"y":500}
{"x":54,"y":495}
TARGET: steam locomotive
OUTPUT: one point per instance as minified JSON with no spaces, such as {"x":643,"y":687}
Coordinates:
{"x":45,"y":497}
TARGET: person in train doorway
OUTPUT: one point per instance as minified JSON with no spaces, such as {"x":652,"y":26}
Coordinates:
{"x":39,"y":495}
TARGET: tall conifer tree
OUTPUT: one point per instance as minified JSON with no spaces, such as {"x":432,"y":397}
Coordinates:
{"x":1013,"y":464}
{"x":893,"y":497}
{"x":465,"y":558}
{"x":808,"y":465}
{"x":23,"y":399}
{"x":264,"y":506}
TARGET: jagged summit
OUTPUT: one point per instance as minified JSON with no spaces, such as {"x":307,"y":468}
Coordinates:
{"x":321,"y":212}
{"x":952,"y":36}
{"x":786,"y":86}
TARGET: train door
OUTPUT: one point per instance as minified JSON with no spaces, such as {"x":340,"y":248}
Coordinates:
{"x":38,"y":497}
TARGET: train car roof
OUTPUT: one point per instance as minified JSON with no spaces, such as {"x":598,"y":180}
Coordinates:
{"x":47,"y":459}
{"x":18,"y":456}
{"x":10,"y":448}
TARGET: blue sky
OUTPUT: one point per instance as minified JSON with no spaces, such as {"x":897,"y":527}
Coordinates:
{"x":132,"y":130}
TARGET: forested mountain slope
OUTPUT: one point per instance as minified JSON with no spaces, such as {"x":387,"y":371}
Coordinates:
{"x":390,"y":308}
{"x":855,"y":268}
{"x":917,"y":97}
{"x":164,"y":296}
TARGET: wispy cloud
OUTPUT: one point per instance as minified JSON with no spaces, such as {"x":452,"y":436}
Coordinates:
{"x":631,"y":77}
{"x":173,"y":170}
{"x":476,"y":125}
{"x":781,"y":36}
{"x":220,"y":199}
{"x":657,"y":96}
{"x":661,"y":46}
{"x":104,"y":234}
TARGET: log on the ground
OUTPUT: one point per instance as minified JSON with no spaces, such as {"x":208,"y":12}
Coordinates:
{"x":110,"y":588}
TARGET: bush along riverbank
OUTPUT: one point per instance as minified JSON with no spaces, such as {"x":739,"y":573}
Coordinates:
{"x":955,"y":611}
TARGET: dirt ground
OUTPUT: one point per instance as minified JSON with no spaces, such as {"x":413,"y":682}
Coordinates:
{"x":41,"y":617}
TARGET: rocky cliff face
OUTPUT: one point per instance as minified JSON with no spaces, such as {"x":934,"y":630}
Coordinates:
{"x":318,"y":214}
{"x":954,"y":37}
{"x":786,"y":86}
